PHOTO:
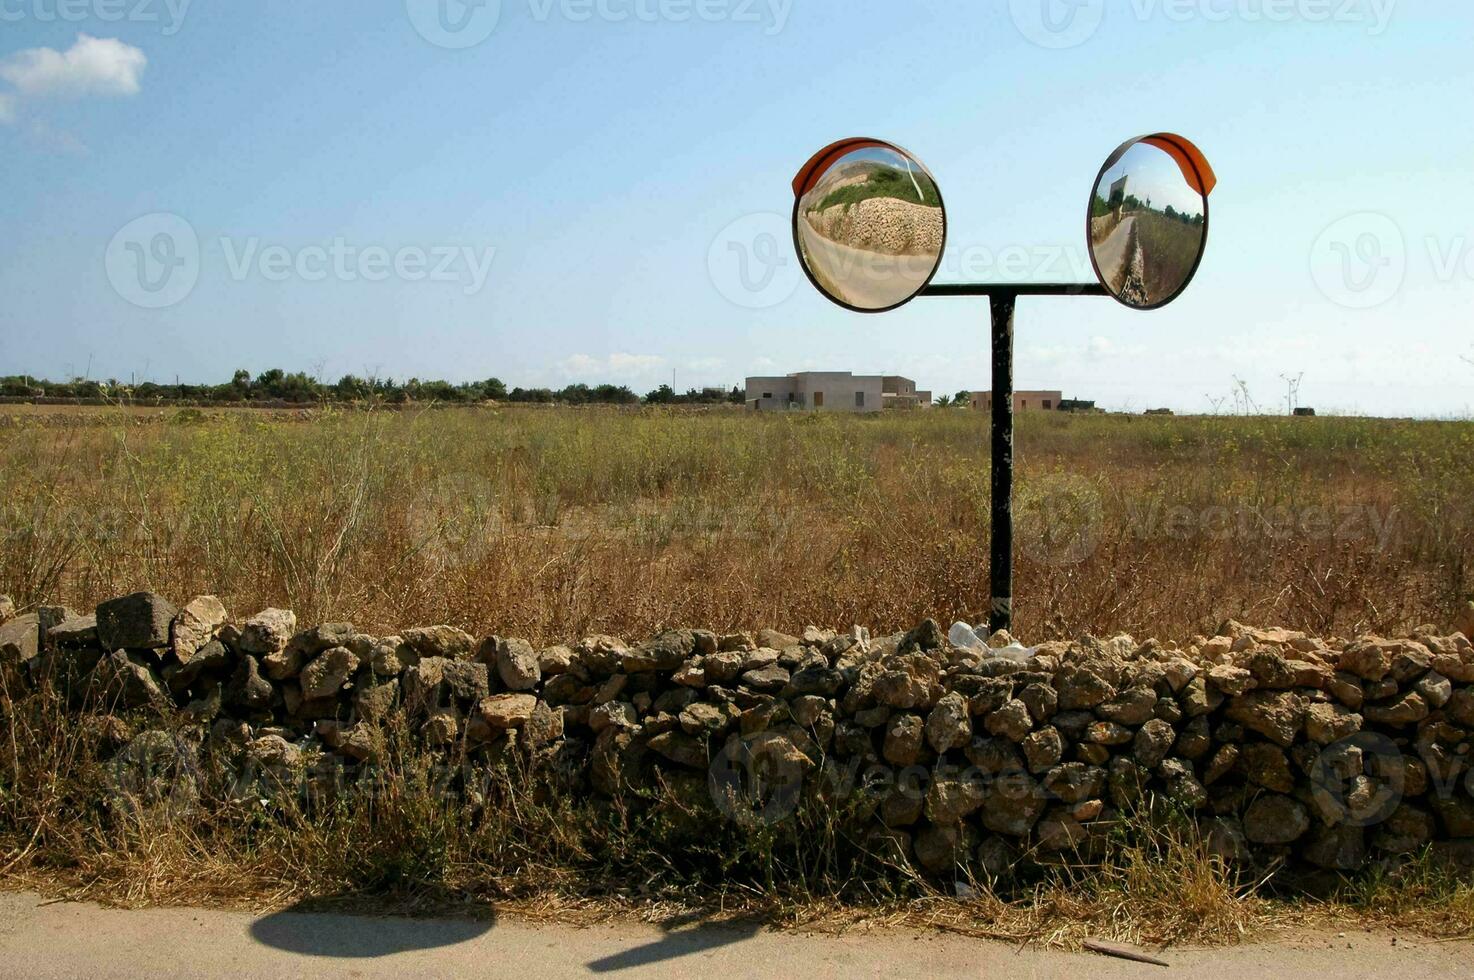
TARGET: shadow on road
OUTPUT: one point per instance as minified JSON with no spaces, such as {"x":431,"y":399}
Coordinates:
{"x":298,"y":930}
{"x":678,"y":942}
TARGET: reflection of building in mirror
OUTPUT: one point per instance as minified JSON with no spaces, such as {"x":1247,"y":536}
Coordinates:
{"x":834,"y":391}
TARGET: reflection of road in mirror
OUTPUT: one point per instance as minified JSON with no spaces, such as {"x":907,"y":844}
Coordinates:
{"x":871,"y":229}
{"x":1147,"y":226}
{"x":870,"y":280}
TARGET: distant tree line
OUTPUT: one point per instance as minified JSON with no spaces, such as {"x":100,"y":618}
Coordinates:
{"x":298,"y":387}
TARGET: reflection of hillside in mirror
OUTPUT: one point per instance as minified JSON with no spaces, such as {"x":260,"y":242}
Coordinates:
{"x":870,"y":230}
{"x":1146,"y":227}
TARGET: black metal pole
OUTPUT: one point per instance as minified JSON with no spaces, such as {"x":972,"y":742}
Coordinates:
{"x":1002,"y":297}
{"x":1001,"y":559}
{"x":1014,"y":289}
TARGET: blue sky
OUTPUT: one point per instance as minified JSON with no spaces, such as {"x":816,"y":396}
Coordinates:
{"x":1155,"y":177}
{"x":599,"y":189}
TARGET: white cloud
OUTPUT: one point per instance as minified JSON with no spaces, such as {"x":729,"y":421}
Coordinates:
{"x":635,"y":364}
{"x":92,"y":66}
{"x":617,"y":367}
{"x":7,"y":108}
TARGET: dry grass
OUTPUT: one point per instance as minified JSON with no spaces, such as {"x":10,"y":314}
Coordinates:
{"x":556,"y":523}
{"x":1170,"y":247}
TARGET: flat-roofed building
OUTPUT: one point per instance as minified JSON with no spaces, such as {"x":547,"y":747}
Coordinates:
{"x":1023,"y":401}
{"x":899,"y":392}
{"x":833,"y":391}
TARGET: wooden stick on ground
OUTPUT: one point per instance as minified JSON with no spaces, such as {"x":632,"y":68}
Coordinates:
{"x":1121,"y":952}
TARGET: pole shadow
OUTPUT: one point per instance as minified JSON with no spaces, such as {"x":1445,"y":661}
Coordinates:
{"x":678,"y":942}
{"x":301,"y":930}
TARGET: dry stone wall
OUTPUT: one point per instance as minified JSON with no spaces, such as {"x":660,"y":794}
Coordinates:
{"x":1327,"y":753}
{"x":883,"y":224}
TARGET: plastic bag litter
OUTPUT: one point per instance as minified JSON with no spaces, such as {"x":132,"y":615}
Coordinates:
{"x":964,"y":636}
{"x":1015,"y":652}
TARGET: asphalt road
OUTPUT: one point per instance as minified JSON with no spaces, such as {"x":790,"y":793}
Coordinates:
{"x":1110,"y":254}
{"x":40,"y":940}
{"x":871,"y":280}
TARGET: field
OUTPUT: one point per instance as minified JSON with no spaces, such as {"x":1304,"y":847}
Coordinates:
{"x":555,"y":523}
{"x":1170,"y":247}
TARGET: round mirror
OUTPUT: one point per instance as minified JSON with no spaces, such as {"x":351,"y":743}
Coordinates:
{"x":1148,"y":219}
{"x":868,"y":224}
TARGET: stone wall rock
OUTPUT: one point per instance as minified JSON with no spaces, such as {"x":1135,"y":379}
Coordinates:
{"x":1330,"y":753}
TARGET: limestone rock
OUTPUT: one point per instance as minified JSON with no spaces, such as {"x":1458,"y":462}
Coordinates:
{"x":74,"y":631}
{"x":1405,"y":831}
{"x":1277,"y":715}
{"x":1275,"y":819}
{"x":1074,"y":782}
{"x":1081,"y":687}
{"x":1267,"y":766}
{"x":126,"y":680}
{"x":949,"y":726}
{"x":1012,"y":721}
{"x":517,"y":665}
{"x":1434,"y":689}
{"x":1131,"y":707}
{"x":770,"y":679}
{"x":1367,"y":659}
{"x":135,"y":622}
{"x":504,"y":711}
{"x":1043,"y":749}
{"x":325,"y":676}
{"x":1232,"y":681}
{"x":1041,"y":699}
{"x":1340,"y":848}
{"x":903,"y":740}
{"x":1152,"y":742}
{"x":1407,"y":710}
{"x":911,"y":681}
{"x":1328,"y":722}
{"x":949,"y":801}
{"x":1013,"y":805}
{"x":439,"y":641}
{"x":195,"y":625}
{"x":20,"y":639}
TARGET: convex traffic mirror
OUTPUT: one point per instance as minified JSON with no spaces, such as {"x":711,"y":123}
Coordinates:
{"x":1148,"y":220}
{"x":868,"y":224}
